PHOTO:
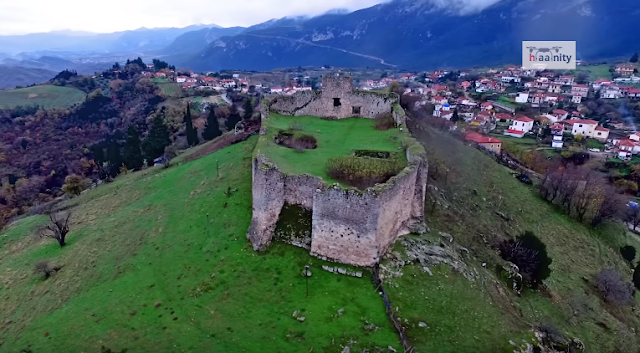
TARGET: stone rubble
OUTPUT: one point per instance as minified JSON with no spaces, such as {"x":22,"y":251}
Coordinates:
{"x":342,"y":271}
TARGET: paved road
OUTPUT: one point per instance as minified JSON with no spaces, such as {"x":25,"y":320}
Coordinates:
{"x":226,"y":99}
{"x":381,"y":60}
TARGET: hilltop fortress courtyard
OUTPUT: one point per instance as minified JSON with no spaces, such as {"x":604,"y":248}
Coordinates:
{"x":336,"y":172}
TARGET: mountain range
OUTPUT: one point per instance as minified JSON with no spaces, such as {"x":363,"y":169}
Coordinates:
{"x":424,"y":34}
{"x":403,"y":34}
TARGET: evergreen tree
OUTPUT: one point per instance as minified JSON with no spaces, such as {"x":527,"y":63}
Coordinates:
{"x":158,"y":138}
{"x":211,"y":128}
{"x":114,"y":158}
{"x":195,"y":136}
{"x":132,"y":154}
{"x":248,"y":109}
{"x":192,"y":135}
{"x":232,"y":120}
{"x":634,"y":58}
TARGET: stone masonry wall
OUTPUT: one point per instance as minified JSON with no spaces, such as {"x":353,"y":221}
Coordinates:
{"x":271,"y":189}
{"x":321,"y":104}
{"x":344,"y":226}
{"x":348,"y":225}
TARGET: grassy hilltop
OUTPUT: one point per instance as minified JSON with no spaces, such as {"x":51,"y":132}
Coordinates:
{"x":46,"y":96}
{"x":145,"y":271}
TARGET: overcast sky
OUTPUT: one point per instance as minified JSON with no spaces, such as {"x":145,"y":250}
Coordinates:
{"x":32,"y":16}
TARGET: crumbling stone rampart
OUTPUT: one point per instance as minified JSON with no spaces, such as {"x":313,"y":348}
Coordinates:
{"x":348,"y":225}
{"x":338,"y":99}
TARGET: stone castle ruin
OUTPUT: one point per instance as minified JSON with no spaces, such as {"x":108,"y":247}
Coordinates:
{"x":349,"y":226}
{"x":338,"y":99}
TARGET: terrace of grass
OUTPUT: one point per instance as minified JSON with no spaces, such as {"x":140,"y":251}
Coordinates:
{"x":335,"y":138}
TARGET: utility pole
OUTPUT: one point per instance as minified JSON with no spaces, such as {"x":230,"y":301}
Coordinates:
{"x":207,"y":226}
{"x":306,"y":279}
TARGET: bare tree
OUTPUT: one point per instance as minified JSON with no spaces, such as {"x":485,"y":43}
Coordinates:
{"x":613,"y":288}
{"x":608,"y":205}
{"x":57,"y":228}
{"x":632,"y":215}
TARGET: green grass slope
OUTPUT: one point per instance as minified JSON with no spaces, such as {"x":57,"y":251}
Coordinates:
{"x":467,"y":188}
{"x":335,"y":138}
{"x":143,"y":270}
{"x":46,"y":96}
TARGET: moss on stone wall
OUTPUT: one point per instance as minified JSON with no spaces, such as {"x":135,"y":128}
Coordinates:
{"x":294,"y":226}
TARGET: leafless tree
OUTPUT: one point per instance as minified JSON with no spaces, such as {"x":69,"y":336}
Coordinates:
{"x":632,"y":215}
{"x":613,"y":289}
{"x":608,"y":206}
{"x":57,"y":228}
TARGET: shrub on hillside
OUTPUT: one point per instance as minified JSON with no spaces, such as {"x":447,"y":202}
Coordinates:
{"x":613,"y":289}
{"x":628,"y":253}
{"x":362,"y":172}
{"x":530,"y":255}
{"x":74,"y":184}
{"x":385,"y":122}
{"x":43,"y":267}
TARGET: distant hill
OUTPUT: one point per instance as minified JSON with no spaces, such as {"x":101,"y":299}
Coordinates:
{"x":12,"y":76}
{"x":420,"y":34}
{"x":143,"y":39}
{"x":57,"y":64}
{"x":194,"y":41}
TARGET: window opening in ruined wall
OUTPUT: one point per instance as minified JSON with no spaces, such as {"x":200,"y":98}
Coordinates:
{"x":356,"y":110}
{"x":336,"y":102}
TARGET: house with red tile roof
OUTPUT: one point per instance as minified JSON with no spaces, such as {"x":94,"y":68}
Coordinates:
{"x":489,"y":143}
{"x":588,"y":128}
{"x":625,"y":69}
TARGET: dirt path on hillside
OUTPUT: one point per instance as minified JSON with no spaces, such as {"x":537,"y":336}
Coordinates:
{"x":371,"y":57}
{"x":223,"y":141}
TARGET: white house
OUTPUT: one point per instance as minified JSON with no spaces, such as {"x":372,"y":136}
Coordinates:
{"x":589,"y":128}
{"x":276,"y":89}
{"x":181,"y":79}
{"x":601,"y":134}
{"x":520,"y":126}
{"x":438,"y":100}
{"x":576,"y":99}
{"x":523,"y":97}
{"x":610,"y":92}
{"x":580,"y":90}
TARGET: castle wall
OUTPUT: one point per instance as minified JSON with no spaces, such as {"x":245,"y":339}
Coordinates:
{"x":396,"y":206}
{"x":268,"y":198}
{"x":344,"y":226}
{"x":322,"y":104}
{"x":348,"y":226}
{"x":299,"y":189}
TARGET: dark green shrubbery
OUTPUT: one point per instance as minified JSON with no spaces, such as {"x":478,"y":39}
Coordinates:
{"x":374,"y":154}
{"x":530,"y":255}
{"x":363,"y":172}
{"x":628,"y":253}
